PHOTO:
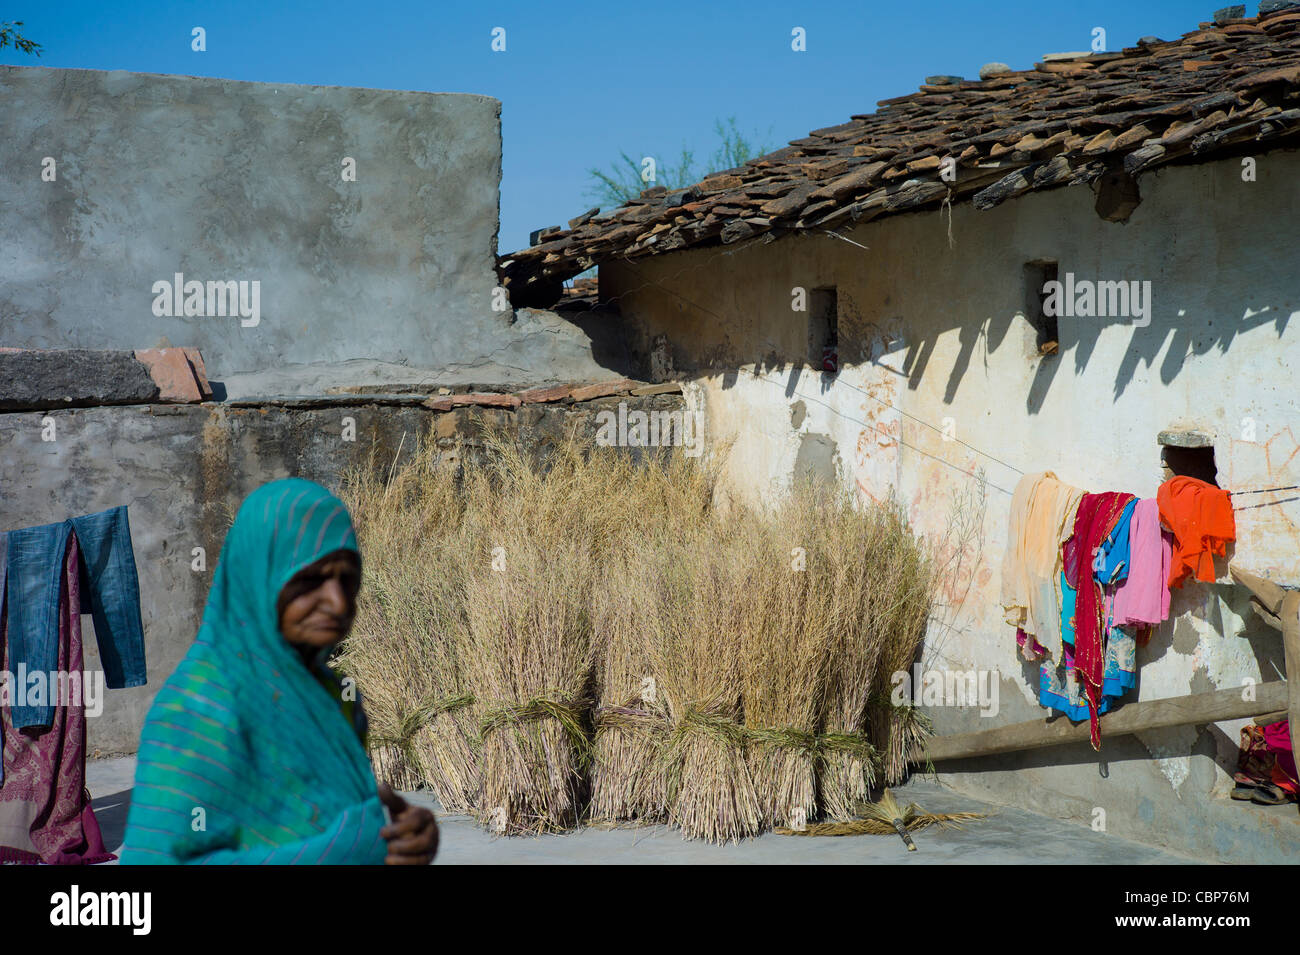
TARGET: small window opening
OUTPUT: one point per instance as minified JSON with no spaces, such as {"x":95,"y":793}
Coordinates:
{"x":1037,"y":276}
{"x":1196,"y":462}
{"x":823,"y":329}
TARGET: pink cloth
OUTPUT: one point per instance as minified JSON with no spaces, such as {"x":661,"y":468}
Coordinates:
{"x":45,"y":813}
{"x":1143,"y":596}
{"x":1278,"y":738}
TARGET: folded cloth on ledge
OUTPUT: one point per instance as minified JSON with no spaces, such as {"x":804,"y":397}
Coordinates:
{"x":1266,"y":758}
{"x":1277,"y":736}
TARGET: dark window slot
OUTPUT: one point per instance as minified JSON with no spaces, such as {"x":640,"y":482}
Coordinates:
{"x":1037,"y":275}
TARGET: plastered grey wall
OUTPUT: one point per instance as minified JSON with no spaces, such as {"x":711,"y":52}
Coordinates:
{"x":941,"y":380}
{"x":184,"y":469}
{"x":386,"y":278}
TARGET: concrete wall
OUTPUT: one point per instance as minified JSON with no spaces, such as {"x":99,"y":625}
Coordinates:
{"x":387,"y":278}
{"x":184,"y":469}
{"x":933,"y":337}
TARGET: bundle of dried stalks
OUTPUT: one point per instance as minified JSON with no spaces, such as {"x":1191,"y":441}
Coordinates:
{"x":695,"y":654}
{"x":858,"y":546}
{"x":528,"y":664}
{"x":729,"y":666}
{"x":528,"y":651}
{"x":909,"y":583}
{"x":553,"y":523}
{"x":403,"y":650}
{"x":785,"y":638}
{"x":667,"y":495}
{"x":631,"y":719}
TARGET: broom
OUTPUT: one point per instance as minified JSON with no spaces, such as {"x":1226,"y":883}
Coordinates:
{"x":886,"y":816}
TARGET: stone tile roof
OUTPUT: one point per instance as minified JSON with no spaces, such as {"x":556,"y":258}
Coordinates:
{"x":1074,"y":118}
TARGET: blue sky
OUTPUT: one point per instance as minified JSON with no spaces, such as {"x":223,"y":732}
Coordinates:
{"x":580,"y":82}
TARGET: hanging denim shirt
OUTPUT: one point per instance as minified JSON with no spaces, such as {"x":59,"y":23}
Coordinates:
{"x":108,"y":577}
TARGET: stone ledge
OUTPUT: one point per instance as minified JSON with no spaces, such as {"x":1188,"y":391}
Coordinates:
{"x":444,"y":398}
{"x":48,"y":379}
{"x":177,"y":375}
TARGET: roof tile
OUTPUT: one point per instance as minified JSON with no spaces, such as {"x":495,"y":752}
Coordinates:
{"x":1067,"y":120}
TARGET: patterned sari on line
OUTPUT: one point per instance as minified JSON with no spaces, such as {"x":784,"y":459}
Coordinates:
{"x":45,"y":812}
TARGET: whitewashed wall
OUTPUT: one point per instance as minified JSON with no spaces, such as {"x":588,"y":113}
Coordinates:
{"x":932,"y":328}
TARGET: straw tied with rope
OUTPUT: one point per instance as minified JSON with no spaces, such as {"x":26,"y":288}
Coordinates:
{"x":501,"y":715}
{"x":878,"y":818}
{"x":573,"y":718}
{"x":716,"y":722}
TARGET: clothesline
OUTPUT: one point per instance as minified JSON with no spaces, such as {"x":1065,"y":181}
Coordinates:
{"x":905,"y":414}
{"x":975,"y":474}
{"x":1251,"y":507}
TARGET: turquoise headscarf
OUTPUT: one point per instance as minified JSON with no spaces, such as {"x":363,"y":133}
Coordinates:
{"x":247,"y":755}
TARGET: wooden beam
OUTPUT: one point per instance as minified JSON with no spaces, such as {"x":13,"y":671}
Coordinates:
{"x":1279,"y":608}
{"x":1131,"y":718}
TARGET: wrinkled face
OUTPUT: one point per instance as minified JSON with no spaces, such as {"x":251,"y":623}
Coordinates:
{"x":317,"y":605}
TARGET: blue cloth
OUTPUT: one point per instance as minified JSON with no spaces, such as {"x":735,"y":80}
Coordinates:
{"x":1111,"y":563}
{"x":108,"y":579}
{"x":1058,"y":685}
{"x":1068,"y":597}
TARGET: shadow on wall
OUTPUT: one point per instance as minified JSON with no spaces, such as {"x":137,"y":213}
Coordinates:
{"x":607,"y":333}
{"x":1174,"y":328}
{"x":1172,"y":325}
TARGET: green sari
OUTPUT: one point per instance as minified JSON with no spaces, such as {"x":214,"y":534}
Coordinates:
{"x":248,"y":756}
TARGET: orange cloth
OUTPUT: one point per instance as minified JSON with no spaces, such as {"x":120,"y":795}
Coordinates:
{"x":1200,"y":516}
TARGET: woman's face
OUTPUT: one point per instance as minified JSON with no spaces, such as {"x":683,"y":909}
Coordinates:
{"x":317,"y":605}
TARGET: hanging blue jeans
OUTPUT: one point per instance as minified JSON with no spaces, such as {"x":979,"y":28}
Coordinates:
{"x":108,"y":578}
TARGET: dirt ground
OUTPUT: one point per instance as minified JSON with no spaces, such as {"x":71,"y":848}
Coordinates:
{"x":1008,"y":835}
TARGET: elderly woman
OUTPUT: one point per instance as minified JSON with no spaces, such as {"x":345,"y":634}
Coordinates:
{"x":253,"y":751}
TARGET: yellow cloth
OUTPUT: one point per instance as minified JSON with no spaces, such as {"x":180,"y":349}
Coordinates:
{"x":1042,"y":518}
